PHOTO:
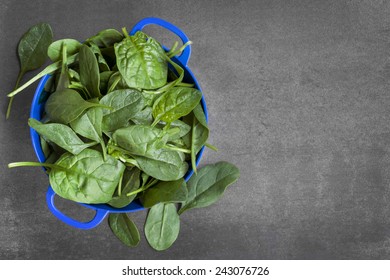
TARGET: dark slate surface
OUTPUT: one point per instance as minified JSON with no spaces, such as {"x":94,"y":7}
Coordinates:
{"x":298,"y":94}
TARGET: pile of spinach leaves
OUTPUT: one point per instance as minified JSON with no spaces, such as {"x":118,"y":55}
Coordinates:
{"x":120,"y":124}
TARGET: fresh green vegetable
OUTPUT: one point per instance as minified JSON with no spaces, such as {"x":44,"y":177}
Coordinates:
{"x":32,"y":52}
{"x":89,"y":125}
{"x":199,"y":134}
{"x":162,"y":226}
{"x":48,"y":70}
{"x":106,"y":38}
{"x":208,"y":185}
{"x":130,"y":182}
{"x":120,"y":125}
{"x":171,"y":191}
{"x":86,"y":177}
{"x":141,"y":140}
{"x":89,"y":72}
{"x":175,"y":103}
{"x":141,"y":61}
{"x":66,"y":105}
{"x":54,"y":52}
{"x":163,"y":164}
{"x":124,"y":229}
{"x":64,"y":79}
{"x":124,"y":105}
{"x":60,"y":135}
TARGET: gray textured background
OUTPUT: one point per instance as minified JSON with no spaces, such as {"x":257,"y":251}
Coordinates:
{"x":298,"y":95}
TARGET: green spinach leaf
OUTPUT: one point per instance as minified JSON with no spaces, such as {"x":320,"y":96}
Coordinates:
{"x":103,"y":66}
{"x":86,"y":177}
{"x":141,"y":61}
{"x":89,"y":125}
{"x":175,"y":103}
{"x":130,"y":182}
{"x":48,"y":70}
{"x":106,"y":38}
{"x":64,"y":79}
{"x":199,"y":132}
{"x":104,"y":78}
{"x":125,"y":104}
{"x":163,"y":164}
{"x":61,"y":135}
{"x":139,"y":139}
{"x":162,"y":226}
{"x":143,"y":117}
{"x":32,"y":52}
{"x":124,"y":228}
{"x":89,"y":71}
{"x":66,"y":105}
{"x":177,"y":130}
{"x":172,"y":191}
{"x":208,"y":185}
{"x":54,"y":51}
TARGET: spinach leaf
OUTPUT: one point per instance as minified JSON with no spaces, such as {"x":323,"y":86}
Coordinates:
{"x":103,"y":66}
{"x":67,"y":105}
{"x":141,"y":61}
{"x":32,"y":52}
{"x":61,"y":135}
{"x":64,"y":79}
{"x":45,"y":147}
{"x":172,"y":191}
{"x":125,"y":104}
{"x":124,"y":229}
{"x":54,"y":51}
{"x":86,"y":177}
{"x":208,"y":185}
{"x":162,"y":226}
{"x":89,"y":71}
{"x":178,"y":129}
{"x":199,"y":132}
{"x":106,"y":38}
{"x":139,"y":139}
{"x":175,"y":82}
{"x":116,"y":82}
{"x":175,"y":103}
{"x":143,"y":117}
{"x":33,"y":46}
{"x":89,"y":125}
{"x":48,"y":70}
{"x":104,"y":78}
{"x":163,"y":164}
{"x":74,"y":75}
{"x":130,"y":182}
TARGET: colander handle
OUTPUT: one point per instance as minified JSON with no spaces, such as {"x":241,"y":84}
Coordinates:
{"x":185,"y":55}
{"x":99,"y":216}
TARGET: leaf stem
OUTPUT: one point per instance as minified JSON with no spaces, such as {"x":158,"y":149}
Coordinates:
{"x":31,"y":163}
{"x":120,"y":185}
{"x":175,"y":148}
{"x":173,"y":48}
{"x":114,"y":84}
{"x":172,"y":54}
{"x":104,"y":150}
{"x":185,"y":85}
{"x":151,"y":183}
{"x":193,"y":155}
{"x":155,"y":122}
{"x":48,"y":70}
{"x":125,"y":32}
{"x":20,"y":75}
{"x":212,"y":147}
